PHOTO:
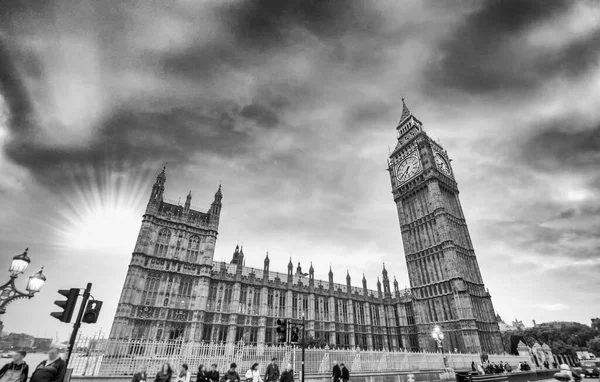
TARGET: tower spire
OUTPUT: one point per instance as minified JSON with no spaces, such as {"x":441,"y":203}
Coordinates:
{"x":405,"y":111}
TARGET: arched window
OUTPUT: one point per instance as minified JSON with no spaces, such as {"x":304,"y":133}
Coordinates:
{"x":162,"y":243}
{"x":193,"y":249}
{"x":151,"y":289}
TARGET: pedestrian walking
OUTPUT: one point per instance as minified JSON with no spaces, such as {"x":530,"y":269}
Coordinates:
{"x":253,"y":375}
{"x":50,"y":370}
{"x":15,"y":371}
{"x":272,"y":373}
{"x":507,"y":367}
{"x":184,"y":373}
{"x":213,"y":373}
{"x":288,"y":374}
{"x":203,"y":375}
{"x":473,"y":368}
{"x":336,"y":373}
{"x":141,"y":376}
{"x":165,"y":373}
{"x":231,"y":375}
{"x":345,"y":373}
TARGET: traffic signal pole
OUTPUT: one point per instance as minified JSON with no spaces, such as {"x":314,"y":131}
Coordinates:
{"x":303,"y":347}
{"x":77,"y":324}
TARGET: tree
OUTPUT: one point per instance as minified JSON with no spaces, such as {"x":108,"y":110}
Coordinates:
{"x":562,"y":337}
{"x":594,"y":345}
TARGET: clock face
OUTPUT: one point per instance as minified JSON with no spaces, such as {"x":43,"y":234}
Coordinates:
{"x":408,"y":168}
{"x":442,"y":164}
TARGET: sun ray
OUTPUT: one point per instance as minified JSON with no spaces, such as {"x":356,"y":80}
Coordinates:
{"x":100,"y":210}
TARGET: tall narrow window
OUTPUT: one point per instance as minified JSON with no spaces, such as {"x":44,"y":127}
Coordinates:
{"x":151,"y":289}
{"x":162,"y":243}
{"x":184,"y":292}
{"x":193,"y":248}
{"x":256,"y":301}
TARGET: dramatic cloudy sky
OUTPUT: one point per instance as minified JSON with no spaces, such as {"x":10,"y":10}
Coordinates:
{"x":292,"y":107}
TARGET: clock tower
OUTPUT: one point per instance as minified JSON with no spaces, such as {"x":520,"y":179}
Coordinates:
{"x":442,"y":267}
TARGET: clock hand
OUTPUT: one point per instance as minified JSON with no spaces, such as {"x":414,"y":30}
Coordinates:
{"x":405,"y":172}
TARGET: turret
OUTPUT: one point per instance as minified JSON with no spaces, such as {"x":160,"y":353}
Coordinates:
{"x":364,"y":282}
{"x":238,"y":256}
{"x":330,"y":279}
{"x":188,"y":203}
{"x":379,"y":288}
{"x":386,"y":282}
{"x":348,"y":284}
{"x":158,"y":190}
{"x":290,"y":270}
{"x":266,"y":265}
{"x":311,"y":275}
{"x":299,"y":269}
{"x":215,"y":207}
{"x":396,"y":289}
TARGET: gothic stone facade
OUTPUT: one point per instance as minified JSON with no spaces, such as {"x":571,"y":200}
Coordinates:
{"x":175,"y":290}
{"x":444,"y":275}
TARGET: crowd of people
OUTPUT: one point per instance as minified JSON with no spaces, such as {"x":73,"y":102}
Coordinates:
{"x":498,"y":368}
{"x":272,"y":374}
{"x":52,"y":369}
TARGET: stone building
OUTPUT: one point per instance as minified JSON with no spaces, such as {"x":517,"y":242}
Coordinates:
{"x":445,"y":279}
{"x":175,"y":290}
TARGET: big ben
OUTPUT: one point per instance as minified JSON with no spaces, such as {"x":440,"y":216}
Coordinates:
{"x":444,"y":275}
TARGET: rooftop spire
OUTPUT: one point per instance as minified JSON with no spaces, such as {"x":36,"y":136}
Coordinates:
{"x":405,"y":111}
{"x":162,"y":174}
{"x":218,"y":191}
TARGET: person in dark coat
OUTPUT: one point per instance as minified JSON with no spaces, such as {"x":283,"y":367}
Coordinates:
{"x":165,"y":374}
{"x":473,"y":366}
{"x":288,"y":374}
{"x":142,"y":376}
{"x":213,"y":373}
{"x":202,"y":374}
{"x":272,"y":373}
{"x":336,"y":372}
{"x":52,"y":369}
{"x":15,"y":371}
{"x":231,"y":375}
{"x":345,"y":373}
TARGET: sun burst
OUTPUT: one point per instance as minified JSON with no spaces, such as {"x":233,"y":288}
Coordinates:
{"x":101,"y":211}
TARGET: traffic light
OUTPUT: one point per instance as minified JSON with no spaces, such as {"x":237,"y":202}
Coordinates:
{"x":68,"y":306}
{"x":295,"y":335}
{"x":92,"y":311}
{"x":281,"y":330}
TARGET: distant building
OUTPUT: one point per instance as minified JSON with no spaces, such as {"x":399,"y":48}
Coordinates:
{"x":518,"y":324}
{"x":596,"y":323}
{"x":17,"y":341}
{"x":504,"y":327}
{"x":42,"y":343}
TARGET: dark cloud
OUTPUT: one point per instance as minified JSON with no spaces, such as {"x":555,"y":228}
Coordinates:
{"x":136,"y":136}
{"x":562,"y":145}
{"x":261,"y":114}
{"x":265,"y":24}
{"x":488,"y":51}
{"x":14,"y":92}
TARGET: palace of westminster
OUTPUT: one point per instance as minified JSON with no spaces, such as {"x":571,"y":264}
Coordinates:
{"x":175,"y":290}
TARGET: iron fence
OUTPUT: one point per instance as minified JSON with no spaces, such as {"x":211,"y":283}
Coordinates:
{"x":110,"y":357}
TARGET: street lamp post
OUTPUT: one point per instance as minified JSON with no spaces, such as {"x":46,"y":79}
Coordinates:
{"x":438,"y":335}
{"x":9,"y":292}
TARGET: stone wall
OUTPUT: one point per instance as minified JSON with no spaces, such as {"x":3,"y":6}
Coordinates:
{"x":428,"y":376}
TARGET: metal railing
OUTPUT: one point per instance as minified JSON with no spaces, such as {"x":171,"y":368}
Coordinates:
{"x":112,"y":357}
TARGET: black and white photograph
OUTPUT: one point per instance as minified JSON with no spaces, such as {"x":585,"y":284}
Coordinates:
{"x":299,"y":190}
